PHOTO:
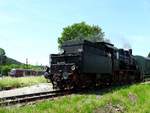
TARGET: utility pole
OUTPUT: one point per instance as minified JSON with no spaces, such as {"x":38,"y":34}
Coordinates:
{"x":27,"y":62}
{"x":2,"y":55}
{"x":1,"y":63}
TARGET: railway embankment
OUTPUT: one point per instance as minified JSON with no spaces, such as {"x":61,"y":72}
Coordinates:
{"x":125,"y":99}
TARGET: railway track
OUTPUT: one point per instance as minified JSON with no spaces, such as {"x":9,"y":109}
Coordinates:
{"x":12,"y":100}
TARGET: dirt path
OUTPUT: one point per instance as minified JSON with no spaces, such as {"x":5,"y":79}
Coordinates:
{"x":42,"y":87}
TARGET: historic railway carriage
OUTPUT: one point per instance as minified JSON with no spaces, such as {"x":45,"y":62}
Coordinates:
{"x":83,"y":63}
{"x":24,"y":72}
{"x":144,"y":66}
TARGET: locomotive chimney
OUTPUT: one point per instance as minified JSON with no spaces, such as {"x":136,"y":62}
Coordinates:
{"x":130,"y":51}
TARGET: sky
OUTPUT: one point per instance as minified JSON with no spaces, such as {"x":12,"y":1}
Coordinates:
{"x":30,"y":28}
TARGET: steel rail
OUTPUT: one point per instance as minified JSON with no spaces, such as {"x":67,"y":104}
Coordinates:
{"x":12,"y":100}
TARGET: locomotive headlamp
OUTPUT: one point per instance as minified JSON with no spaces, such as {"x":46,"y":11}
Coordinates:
{"x":62,"y":51}
{"x":73,"y":67}
{"x":65,"y":75}
{"x":80,"y":50}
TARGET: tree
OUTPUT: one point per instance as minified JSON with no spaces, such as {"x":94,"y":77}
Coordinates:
{"x":2,"y":56}
{"x":81,"y":31}
{"x":149,"y":55}
{"x":2,"y":52}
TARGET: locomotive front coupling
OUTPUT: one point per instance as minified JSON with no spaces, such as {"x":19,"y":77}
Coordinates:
{"x":63,"y":75}
{"x":63,"y":71}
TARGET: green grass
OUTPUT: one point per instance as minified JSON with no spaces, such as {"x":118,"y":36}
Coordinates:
{"x":129,"y":99}
{"x":11,"y":82}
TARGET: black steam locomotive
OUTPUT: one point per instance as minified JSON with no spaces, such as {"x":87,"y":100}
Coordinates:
{"x":85,"y":64}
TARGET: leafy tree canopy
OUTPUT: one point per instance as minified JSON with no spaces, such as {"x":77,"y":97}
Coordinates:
{"x":81,"y":31}
{"x":2,"y":52}
{"x":2,"y":56}
{"x":149,"y":55}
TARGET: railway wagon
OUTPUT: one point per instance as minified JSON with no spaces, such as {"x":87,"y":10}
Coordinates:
{"x":84,"y":63}
{"x":24,"y":72}
{"x":144,"y":66}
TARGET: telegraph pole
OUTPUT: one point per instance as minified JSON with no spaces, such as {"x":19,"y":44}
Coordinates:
{"x":27,"y":62}
{"x":1,"y":63}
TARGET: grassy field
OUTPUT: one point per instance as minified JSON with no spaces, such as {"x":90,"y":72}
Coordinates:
{"x":129,"y":99}
{"x":9,"y":82}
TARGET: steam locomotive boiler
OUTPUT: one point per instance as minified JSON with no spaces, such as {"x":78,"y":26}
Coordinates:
{"x":84,"y":64}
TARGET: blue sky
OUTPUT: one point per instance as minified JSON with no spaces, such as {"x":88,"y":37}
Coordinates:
{"x":30,"y":28}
